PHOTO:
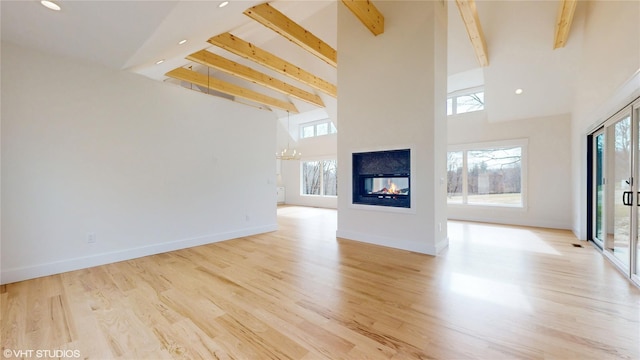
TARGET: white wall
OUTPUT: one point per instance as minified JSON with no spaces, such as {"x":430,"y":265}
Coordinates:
{"x":548,"y":190}
{"x":392,"y":96}
{"x":607,"y":80}
{"x":147,"y":167}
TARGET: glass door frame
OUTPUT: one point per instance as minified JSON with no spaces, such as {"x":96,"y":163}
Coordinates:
{"x":594,"y":188}
{"x":608,"y":128}
{"x":634,"y":243}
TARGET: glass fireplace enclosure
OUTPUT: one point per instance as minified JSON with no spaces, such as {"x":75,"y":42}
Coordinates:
{"x":387,"y":185}
{"x":614,"y":187}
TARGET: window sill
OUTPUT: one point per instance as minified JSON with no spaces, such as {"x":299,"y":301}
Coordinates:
{"x":488,"y":206}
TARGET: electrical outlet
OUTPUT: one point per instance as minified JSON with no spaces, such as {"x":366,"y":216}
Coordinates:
{"x":91,"y":238}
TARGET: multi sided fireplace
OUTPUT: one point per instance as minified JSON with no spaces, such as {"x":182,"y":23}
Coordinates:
{"x":382,"y":178}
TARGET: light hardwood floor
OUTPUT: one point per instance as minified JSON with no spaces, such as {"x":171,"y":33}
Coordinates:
{"x":298,"y":293}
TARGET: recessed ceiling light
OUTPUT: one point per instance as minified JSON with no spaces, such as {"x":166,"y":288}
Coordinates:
{"x":159,"y":62}
{"x":50,"y":4}
{"x":518,"y":91}
{"x":223,"y":4}
{"x":182,"y":41}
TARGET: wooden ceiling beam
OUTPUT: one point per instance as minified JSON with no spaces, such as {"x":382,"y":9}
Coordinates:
{"x":249,"y":51}
{"x":471,"y":21}
{"x":215,"y":61}
{"x":563,"y":23}
{"x":270,"y":17}
{"x":368,"y":14}
{"x":212,"y":83}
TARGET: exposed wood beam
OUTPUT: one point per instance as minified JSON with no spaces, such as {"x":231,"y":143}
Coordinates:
{"x":368,"y":14}
{"x":249,"y":51}
{"x":228,"y":88}
{"x":270,"y":17}
{"x":210,"y":59}
{"x":563,"y":23}
{"x":471,"y":21}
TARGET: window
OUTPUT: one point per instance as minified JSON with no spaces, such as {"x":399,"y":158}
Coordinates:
{"x":464,"y":102}
{"x":454,"y":177}
{"x":317,"y":128}
{"x":307,"y":131}
{"x":322,"y":129}
{"x":320,"y":177}
{"x":488,"y":175}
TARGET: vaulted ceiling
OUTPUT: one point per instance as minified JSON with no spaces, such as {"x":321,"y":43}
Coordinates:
{"x":518,"y":44}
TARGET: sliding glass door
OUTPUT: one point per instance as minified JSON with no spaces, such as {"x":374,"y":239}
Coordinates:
{"x":621,"y":188}
{"x":615,"y":179}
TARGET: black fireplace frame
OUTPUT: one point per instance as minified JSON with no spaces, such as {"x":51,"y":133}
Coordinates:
{"x":381,"y":164}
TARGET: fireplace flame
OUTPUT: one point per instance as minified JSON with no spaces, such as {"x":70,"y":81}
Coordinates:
{"x":393,"y":189}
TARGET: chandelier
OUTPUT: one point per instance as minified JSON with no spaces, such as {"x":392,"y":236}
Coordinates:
{"x":288,"y":153}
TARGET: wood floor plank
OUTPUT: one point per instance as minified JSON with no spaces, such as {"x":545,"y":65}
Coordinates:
{"x":14,"y":316}
{"x":83,"y":317}
{"x":497,"y":292}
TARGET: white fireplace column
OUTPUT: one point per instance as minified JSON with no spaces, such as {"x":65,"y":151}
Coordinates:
{"x":392,"y":95}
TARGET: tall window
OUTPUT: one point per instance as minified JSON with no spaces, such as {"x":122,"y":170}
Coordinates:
{"x":454,"y":177}
{"x":464,"y":102}
{"x":486,"y":174}
{"x":317,"y":128}
{"x":320,"y":177}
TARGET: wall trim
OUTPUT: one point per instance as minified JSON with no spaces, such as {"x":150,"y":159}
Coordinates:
{"x":57,"y":267}
{"x":394,"y":243}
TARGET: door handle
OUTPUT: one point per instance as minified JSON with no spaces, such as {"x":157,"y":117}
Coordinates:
{"x":627,"y":198}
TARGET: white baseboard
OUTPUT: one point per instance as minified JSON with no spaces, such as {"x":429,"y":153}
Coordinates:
{"x":441,"y":245}
{"x":578,"y":233}
{"x":395,"y":243}
{"x":30,"y":272}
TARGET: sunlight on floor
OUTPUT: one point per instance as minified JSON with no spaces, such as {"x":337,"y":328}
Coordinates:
{"x":521,"y":239}
{"x":496,"y":292}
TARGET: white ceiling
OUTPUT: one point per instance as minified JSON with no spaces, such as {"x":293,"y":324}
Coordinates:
{"x":104,"y":32}
{"x":133,"y":35}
